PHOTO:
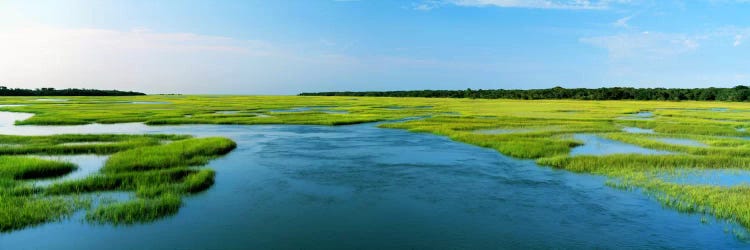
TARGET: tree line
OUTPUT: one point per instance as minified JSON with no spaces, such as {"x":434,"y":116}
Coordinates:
{"x":736,"y":94}
{"x":5,"y":91}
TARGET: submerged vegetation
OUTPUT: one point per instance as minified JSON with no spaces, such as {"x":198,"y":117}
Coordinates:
{"x":160,"y":169}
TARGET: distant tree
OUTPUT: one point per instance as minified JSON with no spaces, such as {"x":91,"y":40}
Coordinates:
{"x":4,"y":91}
{"x":738,"y":93}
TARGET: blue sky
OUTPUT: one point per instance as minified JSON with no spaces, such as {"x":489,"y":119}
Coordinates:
{"x":286,"y":47}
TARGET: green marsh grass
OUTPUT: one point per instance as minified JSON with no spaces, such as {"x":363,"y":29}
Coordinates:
{"x":190,"y":152}
{"x":159,"y":174}
{"x":66,"y":144}
{"x":136,"y":211}
{"x":21,"y":212}
{"x":544,"y":132}
{"x":30,"y":168}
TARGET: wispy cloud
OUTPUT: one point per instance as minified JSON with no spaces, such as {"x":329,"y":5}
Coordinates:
{"x":661,"y":45}
{"x":427,"y":5}
{"x":738,"y":35}
{"x":623,"y":22}
{"x":649,"y":45}
{"x":527,"y":4}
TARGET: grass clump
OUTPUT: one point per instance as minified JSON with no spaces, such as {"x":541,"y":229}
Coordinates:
{"x":191,"y":152}
{"x":29,"y":168}
{"x":137,"y":210}
{"x":20,"y":212}
{"x":128,"y":181}
{"x":199,"y":181}
{"x":159,"y":174}
{"x":79,"y":144}
{"x":611,"y":164}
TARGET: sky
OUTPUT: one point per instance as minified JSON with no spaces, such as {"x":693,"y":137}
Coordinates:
{"x":292,"y":46}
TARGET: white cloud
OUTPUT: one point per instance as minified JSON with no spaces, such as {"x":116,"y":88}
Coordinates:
{"x":650,"y":45}
{"x":428,"y":5}
{"x":623,"y":22}
{"x":658,"y":45}
{"x":735,"y":35}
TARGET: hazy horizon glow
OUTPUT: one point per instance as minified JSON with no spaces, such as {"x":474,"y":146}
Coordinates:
{"x":280,"y":47}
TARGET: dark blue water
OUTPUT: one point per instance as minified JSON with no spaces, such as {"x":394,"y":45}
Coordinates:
{"x":360,"y":187}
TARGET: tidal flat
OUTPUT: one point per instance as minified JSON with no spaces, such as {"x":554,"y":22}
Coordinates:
{"x":375,"y":175}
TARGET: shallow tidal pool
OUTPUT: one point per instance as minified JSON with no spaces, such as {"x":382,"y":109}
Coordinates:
{"x":362,"y":187}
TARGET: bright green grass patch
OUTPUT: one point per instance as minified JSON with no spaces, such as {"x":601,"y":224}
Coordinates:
{"x":728,"y":203}
{"x":20,"y":212}
{"x":159,"y":174}
{"x":627,"y":163}
{"x":128,"y":181}
{"x":136,"y":211}
{"x":145,"y":183}
{"x":79,"y":144}
{"x":199,"y":181}
{"x":191,"y":152}
{"x":29,"y":167}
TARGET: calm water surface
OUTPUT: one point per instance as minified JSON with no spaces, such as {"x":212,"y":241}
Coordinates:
{"x":315,"y":187}
{"x":680,"y":141}
{"x":595,"y":145}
